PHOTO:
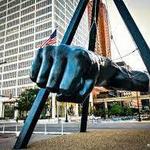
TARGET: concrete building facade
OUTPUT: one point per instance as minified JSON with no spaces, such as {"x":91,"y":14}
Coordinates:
{"x":24,"y":25}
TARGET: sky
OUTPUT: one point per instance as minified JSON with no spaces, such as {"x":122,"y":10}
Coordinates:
{"x":140,"y":11}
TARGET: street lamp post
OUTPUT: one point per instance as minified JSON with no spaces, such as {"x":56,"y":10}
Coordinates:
{"x":138,"y":104}
{"x":66,"y":115}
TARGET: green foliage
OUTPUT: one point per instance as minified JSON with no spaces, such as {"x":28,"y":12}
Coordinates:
{"x":118,"y":110}
{"x":26,"y":99}
{"x":9,"y":112}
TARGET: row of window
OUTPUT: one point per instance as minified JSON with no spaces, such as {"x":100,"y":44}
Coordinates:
{"x":28,"y":10}
{"x":14,"y":9}
{"x":11,"y":44}
{"x":24,"y":81}
{"x":9,"y":83}
{"x":11,"y":52}
{"x":3,"y":2}
{"x":26,"y":55}
{"x":13,"y":16}
{"x":12,"y":37}
{"x":24,"y":72}
{"x":2,"y":33}
{"x":9,"y":75}
{"x":43,"y":26}
{"x":27,"y":25}
{"x":12,"y":30}
{"x":1,"y":47}
{"x":12,"y":23}
{"x":10,"y":67}
{"x":43,"y":18}
{"x":28,"y":3}
{"x":2,"y":21}
{"x":26,"y":48}
{"x":42,"y":4}
{"x":14,"y":3}
{"x":12,"y":91}
{"x":27,"y":32}
{"x":11,"y":59}
{"x":26,"y":40}
{"x":44,"y":11}
{"x":2,"y":14}
{"x":25,"y":64}
{"x":43,"y":35}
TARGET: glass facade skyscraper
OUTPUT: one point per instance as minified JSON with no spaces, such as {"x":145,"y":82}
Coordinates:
{"x":24,"y":24}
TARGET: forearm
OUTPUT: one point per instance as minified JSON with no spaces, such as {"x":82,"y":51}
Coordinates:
{"x":115,"y":77}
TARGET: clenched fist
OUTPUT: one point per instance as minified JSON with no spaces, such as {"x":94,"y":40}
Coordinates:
{"x":69,"y":71}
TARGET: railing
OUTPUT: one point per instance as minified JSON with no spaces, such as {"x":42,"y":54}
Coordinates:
{"x":60,"y":128}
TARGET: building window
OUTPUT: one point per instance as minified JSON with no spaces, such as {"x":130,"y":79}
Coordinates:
{"x":11,"y":59}
{"x":2,"y":14}
{"x":10,"y":67}
{"x":42,"y":4}
{"x":13,"y":23}
{"x":26,"y":55}
{"x":27,"y":32}
{"x":28,"y":10}
{"x":28,"y":3}
{"x":44,"y":18}
{"x":43,"y":11}
{"x":3,"y":2}
{"x":14,"y":3}
{"x":12,"y":37}
{"x":1,"y":47}
{"x":43,"y":35}
{"x":11,"y":44}
{"x":27,"y":25}
{"x":24,"y":72}
{"x":13,"y":16}
{"x":24,"y":81}
{"x":2,"y":27}
{"x":44,"y":26}
{"x":9,"y":75}
{"x":25,"y":64}
{"x":26,"y":40}
{"x":2,"y":21}
{"x":27,"y":17}
{"x":12,"y":30}
{"x":14,"y":9}
{"x":11,"y":52}
{"x":26,"y":48}
{"x":9,"y":83}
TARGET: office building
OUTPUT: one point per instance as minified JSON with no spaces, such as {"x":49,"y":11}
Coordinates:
{"x":24,"y":25}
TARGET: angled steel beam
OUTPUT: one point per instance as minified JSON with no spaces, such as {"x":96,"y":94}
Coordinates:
{"x":40,"y":100}
{"x":135,"y":32}
{"x":91,"y":46}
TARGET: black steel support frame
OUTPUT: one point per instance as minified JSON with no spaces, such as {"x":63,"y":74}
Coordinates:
{"x":91,"y":46}
{"x":136,"y":34}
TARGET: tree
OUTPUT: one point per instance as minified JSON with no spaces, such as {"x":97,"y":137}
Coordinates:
{"x":25,"y":101}
{"x":116,"y":109}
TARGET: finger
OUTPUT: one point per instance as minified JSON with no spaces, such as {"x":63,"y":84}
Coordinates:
{"x":80,"y":96}
{"x":87,"y":88}
{"x":56,"y":74}
{"x":71,"y":77}
{"x":44,"y":72}
{"x":36,"y":64}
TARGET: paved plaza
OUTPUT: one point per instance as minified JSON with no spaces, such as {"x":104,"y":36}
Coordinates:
{"x":101,"y":135}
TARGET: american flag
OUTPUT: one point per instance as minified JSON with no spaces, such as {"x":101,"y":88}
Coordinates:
{"x":51,"y":40}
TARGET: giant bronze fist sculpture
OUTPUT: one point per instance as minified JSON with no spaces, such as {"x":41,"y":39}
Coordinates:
{"x":72,"y":72}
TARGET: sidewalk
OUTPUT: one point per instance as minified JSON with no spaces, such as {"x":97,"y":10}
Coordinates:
{"x":7,"y":141}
